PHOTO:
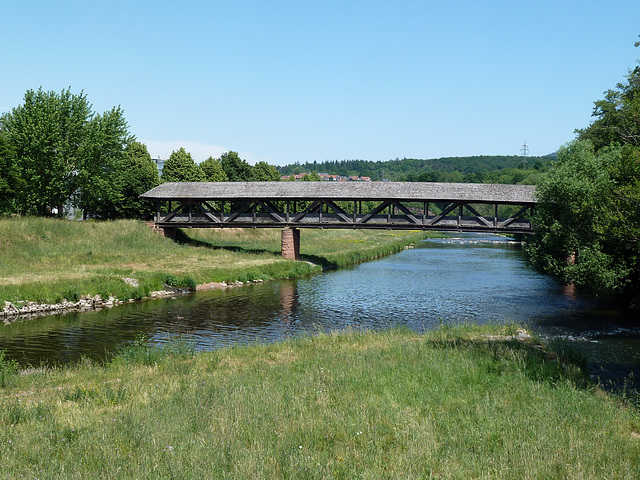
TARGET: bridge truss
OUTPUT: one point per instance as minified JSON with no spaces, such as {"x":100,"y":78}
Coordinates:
{"x":360,"y":205}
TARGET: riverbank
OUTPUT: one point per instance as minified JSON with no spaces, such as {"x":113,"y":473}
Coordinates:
{"x":463,"y":402}
{"x":51,"y":265}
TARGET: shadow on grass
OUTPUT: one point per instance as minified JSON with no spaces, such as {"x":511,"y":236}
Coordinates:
{"x":184,"y":239}
{"x":538,"y":362}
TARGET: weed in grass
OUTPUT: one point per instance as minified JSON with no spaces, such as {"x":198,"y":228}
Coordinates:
{"x":104,"y":395}
{"x":8,"y":369}
{"x":140,"y":352}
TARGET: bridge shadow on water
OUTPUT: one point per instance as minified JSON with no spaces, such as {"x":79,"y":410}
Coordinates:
{"x":184,"y":239}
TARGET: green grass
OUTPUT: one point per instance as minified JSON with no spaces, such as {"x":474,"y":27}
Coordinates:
{"x":45,"y":260}
{"x":446,"y":404}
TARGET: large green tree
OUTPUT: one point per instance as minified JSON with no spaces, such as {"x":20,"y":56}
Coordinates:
{"x":588,"y":218}
{"x":213,"y":170}
{"x":139,"y":174}
{"x":10,"y":180}
{"x":180,"y":167}
{"x":570,"y":241}
{"x":62,"y":149}
{"x":102,"y":180}
{"x":237,"y":169}
{"x":617,"y":116}
{"x":263,"y":172}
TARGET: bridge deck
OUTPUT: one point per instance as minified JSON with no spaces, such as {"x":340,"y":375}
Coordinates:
{"x":392,"y":205}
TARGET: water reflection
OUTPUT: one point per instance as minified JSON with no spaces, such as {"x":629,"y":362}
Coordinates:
{"x":473,"y":278}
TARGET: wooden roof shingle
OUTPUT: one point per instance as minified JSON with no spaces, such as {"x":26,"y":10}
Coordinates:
{"x":401,"y":191}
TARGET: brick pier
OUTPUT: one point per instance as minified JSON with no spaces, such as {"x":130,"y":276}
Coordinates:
{"x":291,"y":243}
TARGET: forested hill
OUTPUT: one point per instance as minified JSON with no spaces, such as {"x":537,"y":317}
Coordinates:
{"x":439,"y":169}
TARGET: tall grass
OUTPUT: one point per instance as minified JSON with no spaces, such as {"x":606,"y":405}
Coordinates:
{"x":46,"y":260}
{"x":446,"y":404}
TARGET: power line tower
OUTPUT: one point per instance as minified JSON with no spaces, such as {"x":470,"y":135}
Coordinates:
{"x":525,"y":154}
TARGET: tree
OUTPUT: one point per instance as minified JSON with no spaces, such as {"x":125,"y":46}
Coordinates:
{"x":263,"y":172}
{"x":617,"y":115}
{"x":213,"y":171}
{"x":139,"y":174}
{"x":237,"y":170}
{"x":311,"y":177}
{"x":180,"y":167}
{"x":10,"y":181}
{"x":62,"y":149}
{"x":587,"y":220}
{"x":104,"y":176}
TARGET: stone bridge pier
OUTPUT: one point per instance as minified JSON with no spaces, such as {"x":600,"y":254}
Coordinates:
{"x":290,"y":245}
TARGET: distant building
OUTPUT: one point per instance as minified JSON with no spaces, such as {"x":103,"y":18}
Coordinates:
{"x":159,"y":163}
{"x":328,"y":178}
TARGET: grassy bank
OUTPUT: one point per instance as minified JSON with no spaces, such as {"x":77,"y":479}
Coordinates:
{"x":446,"y":404}
{"x":46,"y":260}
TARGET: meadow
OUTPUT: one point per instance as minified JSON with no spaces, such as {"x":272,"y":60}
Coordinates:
{"x":451,"y":403}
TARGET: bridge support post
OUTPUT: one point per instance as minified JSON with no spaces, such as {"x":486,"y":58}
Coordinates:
{"x":169,"y":232}
{"x":290,"y":246}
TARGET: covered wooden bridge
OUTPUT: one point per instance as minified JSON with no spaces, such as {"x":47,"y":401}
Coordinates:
{"x":457,"y":207}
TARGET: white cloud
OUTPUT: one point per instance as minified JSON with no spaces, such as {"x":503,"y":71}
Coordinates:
{"x":199,"y":151}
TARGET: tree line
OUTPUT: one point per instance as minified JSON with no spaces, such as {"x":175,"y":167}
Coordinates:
{"x":57,"y":154}
{"x":588,"y":218}
{"x":477,"y":169}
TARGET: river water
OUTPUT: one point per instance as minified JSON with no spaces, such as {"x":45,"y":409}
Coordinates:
{"x":471,"y":278}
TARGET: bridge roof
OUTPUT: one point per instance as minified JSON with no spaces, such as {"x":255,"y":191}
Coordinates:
{"x":401,"y":191}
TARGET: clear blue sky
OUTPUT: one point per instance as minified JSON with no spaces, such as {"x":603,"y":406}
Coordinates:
{"x":286,"y":81}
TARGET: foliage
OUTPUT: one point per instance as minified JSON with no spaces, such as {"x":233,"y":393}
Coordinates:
{"x":311,"y":177}
{"x":63,"y":150}
{"x":493,"y":169}
{"x":617,"y":115}
{"x":180,"y":167}
{"x":103,"y":184}
{"x":588,"y":219}
{"x":10,"y":180}
{"x":237,"y":169}
{"x":183,"y":282}
{"x":588,"y":222}
{"x":263,"y":172}
{"x":139,"y":174}
{"x":213,"y":170}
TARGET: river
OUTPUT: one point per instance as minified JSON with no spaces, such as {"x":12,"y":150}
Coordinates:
{"x":470,"y":278}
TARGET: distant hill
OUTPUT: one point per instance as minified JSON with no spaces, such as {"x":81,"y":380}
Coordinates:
{"x":512,"y":169}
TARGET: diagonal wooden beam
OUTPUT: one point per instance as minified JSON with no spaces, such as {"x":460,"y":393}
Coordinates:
{"x":270,"y":208}
{"x":513,"y":218}
{"x":339,"y":211}
{"x":172,"y":214}
{"x":375,"y":211}
{"x":444,"y":213}
{"x":208,"y":212}
{"x":310,"y":209}
{"x":245,"y":207}
{"x":407,"y":213}
{"x":488,"y":223}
